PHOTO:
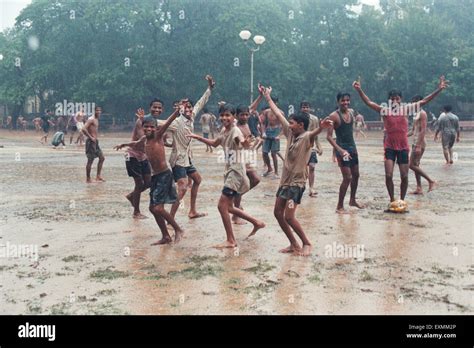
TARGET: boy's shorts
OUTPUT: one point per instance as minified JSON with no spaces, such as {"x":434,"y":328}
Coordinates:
{"x":93,"y":149}
{"x":400,"y":155}
{"x":229,"y":192}
{"x":354,"y":161}
{"x":205,"y":135}
{"x":136,"y":168}
{"x":313,"y":159}
{"x":294,"y":193}
{"x":271,"y":145}
{"x":180,"y":172}
{"x":447,"y":140}
{"x":163,"y":189}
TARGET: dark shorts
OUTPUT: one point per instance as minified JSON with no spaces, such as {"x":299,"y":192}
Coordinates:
{"x":313,"y":159}
{"x":354,"y":161}
{"x":181,"y":172}
{"x":205,"y":135}
{"x":229,"y":192}
{"x":73,"y":128}
{"x":400,"y":155}
{"x":163,"y":189}
{"x":93,"y":149}
{"x":447,"y":140}
{"x":136,"y":168}
{"x":271,"y":145}
{"x":294,"y":193}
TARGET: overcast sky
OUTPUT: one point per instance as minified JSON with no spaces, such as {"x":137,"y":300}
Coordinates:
{"x":10,"y":9}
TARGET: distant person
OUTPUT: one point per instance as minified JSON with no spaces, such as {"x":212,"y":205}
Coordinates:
{"x":205,"y":122}
{"x":58,"y":139}
{"x":395,"y":120}
{"x":420,"y":121}
{"x":316,"y":150}
{"x":46,"y":125}
{"x":9,"y":124}
{"x":71,"y":125}
{"x":93,"y":150}
{"x":448,"y":126}
{"x":79,"y":125}
{"x":359,"y":125}
{"x":37,"y":124}
{"x":271,"y":129}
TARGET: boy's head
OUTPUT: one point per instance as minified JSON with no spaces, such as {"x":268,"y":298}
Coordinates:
{"x":188,"y":108}
{"x":447,"y":108}
{"x":97,"y":111}
{"x":227,"y":114}
{"x":156,"y":107}
{"x":305,"y":106}
{"x":343,"y":100}
{"x":149,"y":126}
{"x":298,"y":123}
{"x":395,"y":96}
{"x":416,"y":98}
{"x":243,"y":114}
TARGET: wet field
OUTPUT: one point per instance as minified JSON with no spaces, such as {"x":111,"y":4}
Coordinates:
{"x":93,"y":258}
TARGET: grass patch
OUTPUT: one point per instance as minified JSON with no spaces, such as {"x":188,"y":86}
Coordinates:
{"x":73,"y":258}
{"x":315,"y":278}
{"x":106,"y":292}
{"x":201,"y":266}
{"x":108,"y":273}
{"x":261,"y":267}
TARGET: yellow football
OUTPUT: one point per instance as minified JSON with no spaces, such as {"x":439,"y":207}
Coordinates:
{"x":398,"y":206}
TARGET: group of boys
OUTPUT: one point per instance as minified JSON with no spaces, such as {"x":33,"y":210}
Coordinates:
{"x":147,"y":164}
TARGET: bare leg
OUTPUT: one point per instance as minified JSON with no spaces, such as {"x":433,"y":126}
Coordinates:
{"x":166,"y":238}
{"x":294,"y":223}
{"x":235,"y":218}
{"x":275,"y":162}
{"x":312,"y":192}
{"x":346,"y":181}
{"x":279,"y":213}
{"x":415,"y":166}
{"x":160,"y":209}
{"x":446,"y":155}
{"x":193,"y":214}
{"x":182,"y":188}
{"x":88,"y":169}
{"x":266,"y":160}
{"x":223,"y":206}
{"x":404,"y":180}
{"x":354,"y":185}
{"x":451,"y":155}
{"x":134,"y":196}
{"x":389,"y":179}
{"x":99,"y":168}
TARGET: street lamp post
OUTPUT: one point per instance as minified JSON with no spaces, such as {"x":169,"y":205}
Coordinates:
{"x":258,"y":40}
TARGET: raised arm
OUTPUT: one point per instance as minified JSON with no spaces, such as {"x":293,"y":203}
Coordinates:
{"x":365,"y":98}
{"x":441,"y":85}
{"x":254,"y":105}
{"x":131,"y":144}
{"x":161,"y":130}
{"x":267,"y":94}
{"x":205,"y":97}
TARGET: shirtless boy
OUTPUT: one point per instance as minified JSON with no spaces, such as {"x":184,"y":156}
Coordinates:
{"x":271,"y":129}
{"x":236,"y":181}
{"x":294,"y":174}
{"x":93,"y":150}
{"x":420,"y":123}
{"x":162,"y":189}
{"x":395,"y":119}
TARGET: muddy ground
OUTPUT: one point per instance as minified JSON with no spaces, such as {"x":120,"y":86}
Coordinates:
{"x":93,"y":258}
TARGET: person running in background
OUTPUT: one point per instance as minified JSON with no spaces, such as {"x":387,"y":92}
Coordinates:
{"x":448,"y":126}
{"x":420,"y":122}
{"x":93,"y":150}
{"x":205,"y":122}
{"x":359,"y":125}
{"x":37,"y":123}
{"x":395,"y":119}
{"x":46,"y":125}
{"x":79,"y":125}
{"x":316,"y":150}
{"x":58,"y":139}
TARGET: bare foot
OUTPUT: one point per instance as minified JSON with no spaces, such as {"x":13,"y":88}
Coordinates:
{"x":342,"y":211}
{"x":99,"y":178}
{"x":140,"y":216}
{"x":178,"y":235}
{"x":418,"y":191}
{"x":306,"y":250}
{"x":357,"y":205}
{"x":196,"y":215}
{"x":313,"y":193}
{"x":451,"y":162}
{"x":267,"y":173}
{"x":225,"y":245}
{"x":164,"y":240}
{"x":256,"y":227}
{"x":290,"y":249}
{"x":432,"y":186}
{"x":89,"y":181}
